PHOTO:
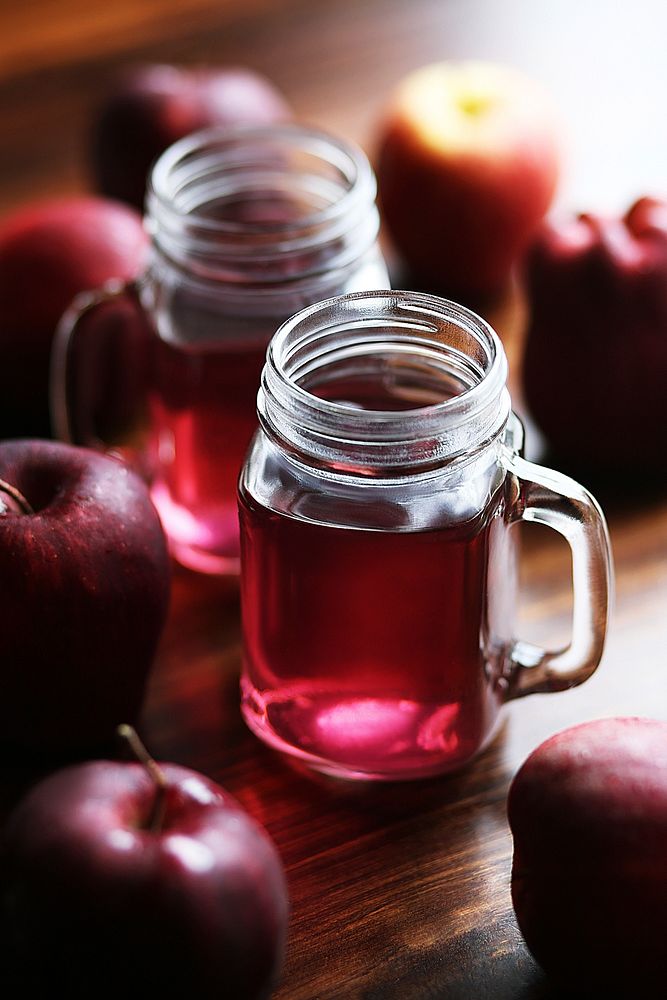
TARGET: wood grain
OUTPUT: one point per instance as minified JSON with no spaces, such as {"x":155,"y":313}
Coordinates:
{"x":398,"y":892}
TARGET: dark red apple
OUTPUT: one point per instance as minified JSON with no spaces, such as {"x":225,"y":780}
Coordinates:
{"x":596,"y":345}
{"x":85,"y":588}
{"x":151,"y":107}
{"x":588,"y":811}
{"x":99,"y":897}
{"x":49,"y":252}
{"x":467,"y":166}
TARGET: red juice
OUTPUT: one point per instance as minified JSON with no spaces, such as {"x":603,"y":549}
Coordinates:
{"x":202,"y":417}
{"x":374,"y":652}
{"x":378,"y":586}
{"x":203,"y":399}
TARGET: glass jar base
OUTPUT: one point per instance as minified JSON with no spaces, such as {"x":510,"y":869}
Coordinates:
{"x":206,"y":540}
{"x":201,"y":561}
{"x":362,"y":738}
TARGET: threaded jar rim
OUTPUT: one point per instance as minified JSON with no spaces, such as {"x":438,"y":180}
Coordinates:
{"x":227,"y":162}
{"x":406,"y":329}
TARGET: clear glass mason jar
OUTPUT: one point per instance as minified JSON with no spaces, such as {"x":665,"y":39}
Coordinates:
{"x":377,"y":506}
{"x":248,"y":225}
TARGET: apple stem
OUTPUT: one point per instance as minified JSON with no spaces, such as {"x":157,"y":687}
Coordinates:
{"x":156,"y":818}
{"x":16,"y":496}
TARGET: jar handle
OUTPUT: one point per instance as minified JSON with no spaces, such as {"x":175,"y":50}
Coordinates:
{"x":546,"y":497}
{"x":100,"y":372}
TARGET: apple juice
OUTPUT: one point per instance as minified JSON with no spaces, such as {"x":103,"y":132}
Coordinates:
{"x":370,"y":648}
{"x":378,"y":509}
{"x":248,"y":226}
{"x":202,"y":417}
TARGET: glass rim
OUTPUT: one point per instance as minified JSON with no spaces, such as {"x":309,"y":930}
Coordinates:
{"x":441,"y":431}
{"x":431,"y":305}
{"x":347,"y":157}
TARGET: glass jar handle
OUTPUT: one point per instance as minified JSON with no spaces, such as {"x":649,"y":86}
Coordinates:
{"x":100,"y":369}
{"x":546,"y":497}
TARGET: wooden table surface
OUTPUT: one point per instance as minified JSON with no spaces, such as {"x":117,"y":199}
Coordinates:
{"x":398,"y":892}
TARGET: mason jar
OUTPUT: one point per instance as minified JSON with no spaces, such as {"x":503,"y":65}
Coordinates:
{"x":247,"y":226}
{"x":378,"y":506}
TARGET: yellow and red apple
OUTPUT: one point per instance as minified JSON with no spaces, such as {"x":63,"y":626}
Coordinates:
{"x":467,"y":166}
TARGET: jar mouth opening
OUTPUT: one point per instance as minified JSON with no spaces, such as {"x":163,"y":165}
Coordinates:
{"x":402,"y":333}
{"x":388,"y":378}
{"x":211,"y":176}
{"x":386,"y":373}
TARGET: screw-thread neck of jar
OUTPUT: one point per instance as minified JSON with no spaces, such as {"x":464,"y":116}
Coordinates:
{"x":258,"y":206}
{"x":406,"y":342}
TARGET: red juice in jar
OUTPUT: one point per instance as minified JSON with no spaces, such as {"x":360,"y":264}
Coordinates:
{"x":202,"y":418}
{"x":203,"y":397}
{"x":372,"y":648}
{"x":249,"y":225}
{"x":378,"y":505}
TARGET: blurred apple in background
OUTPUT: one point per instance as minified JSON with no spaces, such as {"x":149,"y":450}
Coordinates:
{"x":467,"y":166}
{"x":595,"y":365}
{"x":85,"y":590}
{"x":149,"y":108}
{"x":49,"y":252}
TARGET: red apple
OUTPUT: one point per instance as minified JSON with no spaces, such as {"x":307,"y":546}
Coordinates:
{"x":100,"y":899}
{"x":467,"y":167}
{"x":85,"y":589}
{"x":151,"y":107}
{"x":596,"y":344}
{"x":588,"y":811}
{"x":49,"y":252}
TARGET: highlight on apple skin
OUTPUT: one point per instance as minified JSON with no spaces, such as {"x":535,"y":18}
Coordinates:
{"x":588,"y":812}
{"x":100,"y":897}
{"x":51,"y":251}
{"x":150,"y":107}
{"x":85,"y":591}
{"x":467,"y":166}
{"x":596,"y":343}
